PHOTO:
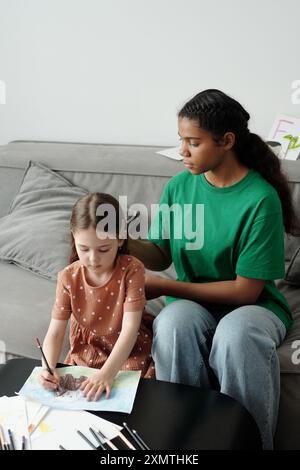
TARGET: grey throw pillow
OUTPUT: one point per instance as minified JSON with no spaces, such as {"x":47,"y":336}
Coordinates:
{"x":293,"y":271}
{"x":35,"y":233}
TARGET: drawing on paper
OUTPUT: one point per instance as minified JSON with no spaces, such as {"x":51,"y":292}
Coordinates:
{"x":68,"y":383}
{"x":121,"y":398}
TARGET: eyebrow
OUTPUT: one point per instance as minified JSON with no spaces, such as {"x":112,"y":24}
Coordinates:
{"x":99,"y":246}
{"x":193,"y":138}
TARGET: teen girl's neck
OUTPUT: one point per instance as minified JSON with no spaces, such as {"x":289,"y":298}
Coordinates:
{"x":227,"y":175}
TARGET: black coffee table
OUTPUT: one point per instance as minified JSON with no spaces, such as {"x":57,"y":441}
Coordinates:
{"x":168,"y":416}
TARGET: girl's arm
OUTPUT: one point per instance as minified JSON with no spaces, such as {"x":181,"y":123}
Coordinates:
{"x":121,"y":351}
{"x":240,"y":291}
{"x":124,"y":345}
{"x":52,"y":347}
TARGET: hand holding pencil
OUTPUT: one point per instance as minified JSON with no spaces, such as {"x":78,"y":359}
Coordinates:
{"x":48,"y":377}
{"x":49,"y":381}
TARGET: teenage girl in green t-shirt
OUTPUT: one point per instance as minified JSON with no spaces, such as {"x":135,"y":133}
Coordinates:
{"x":224,"y":315}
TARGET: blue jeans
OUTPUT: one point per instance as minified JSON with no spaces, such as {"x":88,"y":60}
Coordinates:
{"x":240,"y":348}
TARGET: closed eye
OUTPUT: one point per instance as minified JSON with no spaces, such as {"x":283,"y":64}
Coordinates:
{"x":192,"y":144}
{"x":101,"y":250}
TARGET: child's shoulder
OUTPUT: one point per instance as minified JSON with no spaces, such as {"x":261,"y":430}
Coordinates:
{"x":130,"y":262}
{"x":70,"y":271}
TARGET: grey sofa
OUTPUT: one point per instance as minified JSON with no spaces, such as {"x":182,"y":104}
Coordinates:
{"x":136,"y":171}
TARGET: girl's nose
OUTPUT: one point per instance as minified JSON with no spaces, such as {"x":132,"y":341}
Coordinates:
{"x":184,"y":151}
{"x":93,"y":256}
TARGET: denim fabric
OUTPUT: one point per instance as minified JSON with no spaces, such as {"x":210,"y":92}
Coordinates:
{"x":191,"y":345}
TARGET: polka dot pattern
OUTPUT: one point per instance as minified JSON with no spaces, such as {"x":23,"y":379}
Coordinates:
{"x":96,"y":314}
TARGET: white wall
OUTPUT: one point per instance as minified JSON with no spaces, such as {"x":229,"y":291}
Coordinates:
{"x":116,"y":71}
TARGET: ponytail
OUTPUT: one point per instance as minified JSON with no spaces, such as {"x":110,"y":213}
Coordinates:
{"x":256,"y":154}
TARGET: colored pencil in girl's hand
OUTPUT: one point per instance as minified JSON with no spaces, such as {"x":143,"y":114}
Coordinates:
{"x":45,"y":361}
{"x":44,"y":357}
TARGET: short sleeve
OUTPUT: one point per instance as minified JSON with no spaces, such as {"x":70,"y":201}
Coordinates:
{"x":62,"y":307}
{"x":262,"y":255}
{"x":159,"y":232}
{"x":135,"y":299}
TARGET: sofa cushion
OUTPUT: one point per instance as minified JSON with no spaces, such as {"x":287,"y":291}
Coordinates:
{"x":293,"y":270}
{"x":120,"y":170}
{"x":288,"y":350}
{"x":35,"y":233}
{"x":25,"y":310}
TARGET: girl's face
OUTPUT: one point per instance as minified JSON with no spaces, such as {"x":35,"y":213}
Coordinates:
{"x":200,"y":152}
{"x":96,"y":254}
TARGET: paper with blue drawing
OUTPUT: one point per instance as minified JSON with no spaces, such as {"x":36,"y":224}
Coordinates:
{"x":71,"y":398}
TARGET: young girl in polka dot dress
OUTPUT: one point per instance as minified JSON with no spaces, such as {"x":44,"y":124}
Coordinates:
{"x":102,"y":293}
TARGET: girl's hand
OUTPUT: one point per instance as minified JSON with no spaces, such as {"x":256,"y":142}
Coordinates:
{"x":94,"y":386}
{"x":154,"y":286}
{"x":48,"y":381}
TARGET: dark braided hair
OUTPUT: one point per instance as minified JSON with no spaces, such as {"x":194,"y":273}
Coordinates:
{"x":218,"y":113}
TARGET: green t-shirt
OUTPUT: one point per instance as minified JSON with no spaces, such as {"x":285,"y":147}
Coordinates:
{"x":217,"y":233}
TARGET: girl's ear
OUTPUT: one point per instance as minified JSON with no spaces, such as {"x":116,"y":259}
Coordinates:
{"x":228,"y":140}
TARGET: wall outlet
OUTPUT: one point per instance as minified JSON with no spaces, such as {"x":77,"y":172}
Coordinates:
{"x":2,"y":92}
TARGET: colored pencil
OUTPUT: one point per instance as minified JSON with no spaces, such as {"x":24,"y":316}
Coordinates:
{"x":44,"y":357}
{"x":107,"y":441}
{"x":11,"y":439}
{"x":86,"y":439}
{"x":97,"y":439}
{"x":140,"y":439}
{"x":46,"y":362}
{"x":126,"y":441}
{"x":133,"y":436}
{"x":43,"y":410}
{"x":2,"y":439}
